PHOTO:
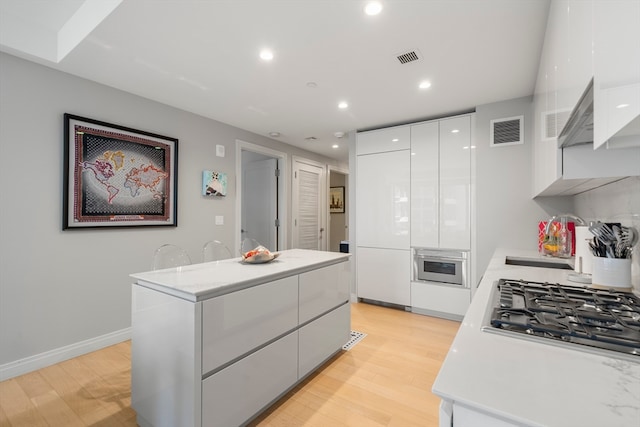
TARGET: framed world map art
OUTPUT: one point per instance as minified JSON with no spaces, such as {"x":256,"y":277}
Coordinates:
{"x":116,"y":176}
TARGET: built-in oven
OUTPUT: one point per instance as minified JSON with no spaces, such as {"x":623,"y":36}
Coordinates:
{"x":444,"y":266}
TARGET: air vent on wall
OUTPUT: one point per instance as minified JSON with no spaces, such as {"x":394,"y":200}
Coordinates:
{"x":553,"y":122}
{"x":507,"y":131}
{"x":410,"y":56}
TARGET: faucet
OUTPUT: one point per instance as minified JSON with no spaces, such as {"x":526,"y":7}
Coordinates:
{"x":560,"y":244}
{"x":553,"y":218}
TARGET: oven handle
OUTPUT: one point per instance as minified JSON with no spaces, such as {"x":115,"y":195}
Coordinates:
{"x":438,"y":258}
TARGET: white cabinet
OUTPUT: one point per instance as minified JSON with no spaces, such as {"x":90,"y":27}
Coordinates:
{"x":616,"y":68}
{"x":318,"y":339}
{"x":425,"y":184}
{"x":441,"y":184}
{"x":382,"y":199}
{"x":455,"y":183}
{"x":322,"y":290}
{"x":383,"y":212}
{"x":585,"y":39}
{"x":241,"y":390}
{"x":384,"y":275}
{"x":220,"y":361}
{"x":236,"y":323}
{"x":437,"y":299}
{"x":383,"y":140}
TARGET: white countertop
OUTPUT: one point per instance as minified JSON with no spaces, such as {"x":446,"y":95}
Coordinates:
{"x":530,"y":383}
{"x":197,"y":282}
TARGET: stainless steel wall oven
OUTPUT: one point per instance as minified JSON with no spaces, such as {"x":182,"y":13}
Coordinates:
{"x":444,"y":266}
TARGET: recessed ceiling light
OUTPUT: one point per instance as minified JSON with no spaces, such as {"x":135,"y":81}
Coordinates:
{"x":335,"y":146}
{"x":312,"y":85}
{"x":274,"y":134}
{"x":373,"y":8}
{"x":622,"y":106}
{"x":455,"y":131}
{"x":266,"y":54}
{"x":342,"y":105}
{"x":424,"y":84}
{"x":394,"y":140}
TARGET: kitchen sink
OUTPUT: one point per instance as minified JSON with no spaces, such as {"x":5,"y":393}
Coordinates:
{"x":541,"y":263}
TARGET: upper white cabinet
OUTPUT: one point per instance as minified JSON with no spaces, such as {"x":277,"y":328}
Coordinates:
{"x":425,"y":151}
{"x":382,"y":194}
{"x":616,"y":58}
{"x":383,"y":140}
{"x":441,"y":184}
{"x":587,"y":39}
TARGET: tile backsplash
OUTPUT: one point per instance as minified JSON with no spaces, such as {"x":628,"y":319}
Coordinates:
{"x":615,"y":202}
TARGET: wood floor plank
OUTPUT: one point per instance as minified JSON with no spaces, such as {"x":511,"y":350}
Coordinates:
{"x":18,"y":407}
{"x":384,"y":380}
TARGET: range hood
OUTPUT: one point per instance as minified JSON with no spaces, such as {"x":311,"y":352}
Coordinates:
{"x":579,"y":127}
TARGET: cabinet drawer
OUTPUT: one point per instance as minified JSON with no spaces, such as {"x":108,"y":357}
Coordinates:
{"x":438,"y":298}
{"x":323,"y":289}
{"x":238,"y":322}
{"x":235,"y":394}
{"x":323,"y":337}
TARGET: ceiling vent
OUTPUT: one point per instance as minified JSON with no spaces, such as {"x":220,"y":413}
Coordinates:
{"x":507,"y":131}
{"x":410,"y":56}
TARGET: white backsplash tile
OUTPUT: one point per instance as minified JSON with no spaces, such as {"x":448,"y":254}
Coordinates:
{"x":615,"y":202}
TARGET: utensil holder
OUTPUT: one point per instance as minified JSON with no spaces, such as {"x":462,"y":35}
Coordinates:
{"x":608,"y":273}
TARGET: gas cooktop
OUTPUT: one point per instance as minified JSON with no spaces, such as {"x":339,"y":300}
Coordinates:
{"x":590,"y":319}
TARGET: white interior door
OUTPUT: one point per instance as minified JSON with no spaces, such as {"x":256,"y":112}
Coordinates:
{"x":259,"y":206}
{"x":309,"y":205}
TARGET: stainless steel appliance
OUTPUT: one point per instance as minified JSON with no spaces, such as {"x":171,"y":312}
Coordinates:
{"x":444,"y":266}
{"x":593,"y":320}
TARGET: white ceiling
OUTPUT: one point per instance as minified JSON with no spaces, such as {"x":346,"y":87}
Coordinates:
{"x":202,"y":56}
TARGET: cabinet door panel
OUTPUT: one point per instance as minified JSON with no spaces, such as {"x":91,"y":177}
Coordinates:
{"x":440,"y":298}
{"x":384,"y":275}
{"x":455,"y":183}
{"x":382,"y":200}
{"x":323,"y":337}
{"x":323,"y":289}
{"x":233,"y":395}
{"x":235,"y":323}
{"x":424,"y":185}
{"x":383,"y":140}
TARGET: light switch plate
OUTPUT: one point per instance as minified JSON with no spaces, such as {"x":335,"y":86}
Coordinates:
{"x":219,"y":220}
{"x":220,"y":150}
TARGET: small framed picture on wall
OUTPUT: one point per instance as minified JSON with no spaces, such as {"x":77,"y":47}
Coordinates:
{"x":336,"y":200}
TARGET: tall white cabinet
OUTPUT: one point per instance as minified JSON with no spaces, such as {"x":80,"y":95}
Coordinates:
{"x":441,"y":184}
{"x":383,"y":255}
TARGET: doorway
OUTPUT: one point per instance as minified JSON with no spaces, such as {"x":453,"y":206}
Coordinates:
{"x":338,"y":223}
{"x":261,"y":195}
{"x":309,"y":205}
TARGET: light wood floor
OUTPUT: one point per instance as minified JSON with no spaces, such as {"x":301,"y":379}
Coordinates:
{"x":384,"y":380}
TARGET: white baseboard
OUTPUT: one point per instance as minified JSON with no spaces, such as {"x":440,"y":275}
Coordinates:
{"x":42,"y":360}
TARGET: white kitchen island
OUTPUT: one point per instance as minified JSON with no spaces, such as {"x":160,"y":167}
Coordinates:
{"x":498,"y":381}
{"x":214,"y":344}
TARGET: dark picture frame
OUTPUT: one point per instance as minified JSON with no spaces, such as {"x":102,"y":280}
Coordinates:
{"x":336,"y":199}
{"x":116,"y":176}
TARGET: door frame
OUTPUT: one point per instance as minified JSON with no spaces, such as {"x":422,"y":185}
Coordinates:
{"x":283,"y":190}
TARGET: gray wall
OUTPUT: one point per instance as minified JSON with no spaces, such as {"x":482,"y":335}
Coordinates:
{"x":506,"y":215}
{"x":58,"y":288}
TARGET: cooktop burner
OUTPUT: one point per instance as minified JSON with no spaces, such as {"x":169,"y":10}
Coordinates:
{"x":606,"y":320}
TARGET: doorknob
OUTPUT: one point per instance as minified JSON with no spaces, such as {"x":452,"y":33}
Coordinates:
{"x":321,"y":230}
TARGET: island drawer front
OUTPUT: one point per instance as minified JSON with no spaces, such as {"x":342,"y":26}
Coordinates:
{"x":323,"y":289}
{"x":323,"y":337}
{"x":235,"y":394}
{"x":236,"y":323}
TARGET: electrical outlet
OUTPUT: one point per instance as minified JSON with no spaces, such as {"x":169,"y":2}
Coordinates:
{"x":219,"y":220}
